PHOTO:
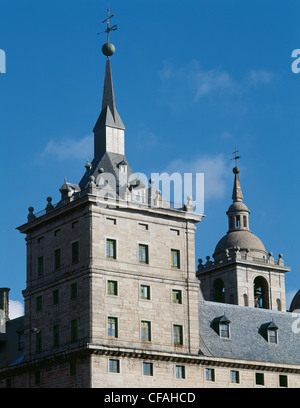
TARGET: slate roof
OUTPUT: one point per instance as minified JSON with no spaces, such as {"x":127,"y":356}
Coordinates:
{"x":248,"y":333}
{"x":109,"y":163}
{"x":10,"y":353}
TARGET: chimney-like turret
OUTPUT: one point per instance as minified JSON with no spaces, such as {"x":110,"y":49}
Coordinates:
{"x":4,"y":300}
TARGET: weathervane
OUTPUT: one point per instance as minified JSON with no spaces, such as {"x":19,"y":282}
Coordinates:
{"x":109,"y":29}
{"x":236,"y":157}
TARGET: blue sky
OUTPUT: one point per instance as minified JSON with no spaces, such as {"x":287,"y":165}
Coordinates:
{"x":192,"y":80}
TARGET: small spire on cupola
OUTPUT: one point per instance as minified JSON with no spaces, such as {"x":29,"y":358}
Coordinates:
{"x":238,"y":213}
{"x":237,"y":194}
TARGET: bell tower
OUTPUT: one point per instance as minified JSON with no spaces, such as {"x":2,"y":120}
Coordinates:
{"x":243,"y":272}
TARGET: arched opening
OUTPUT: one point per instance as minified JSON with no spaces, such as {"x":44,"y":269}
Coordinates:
{"x":261,"y":295}
{"x":278,"y":302}
{"x":218,"y":291}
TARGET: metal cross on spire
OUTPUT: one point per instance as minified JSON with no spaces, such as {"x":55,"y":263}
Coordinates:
{"x":236,"y":157}
{"x":108,"y":29}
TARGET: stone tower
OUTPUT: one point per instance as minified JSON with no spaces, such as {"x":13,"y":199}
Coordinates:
{"x":242,"y":272}
{"x":110,"y":272}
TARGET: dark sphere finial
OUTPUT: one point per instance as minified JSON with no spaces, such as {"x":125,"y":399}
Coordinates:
{"x":108,"y":49}
{"x":236,"y":170}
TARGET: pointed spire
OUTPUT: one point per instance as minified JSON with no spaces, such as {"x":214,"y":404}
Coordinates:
{"x":238,"y":213}
{"x":109,"y":115}
{"x":108,"y":90}
{"x":237,"y":194}
{"x":109,"y":128}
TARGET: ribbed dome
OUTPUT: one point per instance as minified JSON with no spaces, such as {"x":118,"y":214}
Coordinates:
{"x":244,"y":239}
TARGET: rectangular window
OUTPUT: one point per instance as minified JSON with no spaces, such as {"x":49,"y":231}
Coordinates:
{"x":145,"y":331}
{"x":145,"y":292}
{"x":114,"y":366}
{"x":37,"y":377}
{"x":75,"y":252}
{"x":74,"y":290}
{"x":176,"y":296}
{"x":8,"y":383}
{"x":73,"y":368}
{"x":38,"y":341}
{"x":56,"y":297}
{"x":143,"y":226}
{"x":21,"y":340}
{"x":174,"y":231}
{"x":56,"y":336}
{"x":272,"y":336}
{"x":112,"y":288}
{"x":283,"y":381}
{"x":39,"y":303}
{"x":147,"y":368}
{"x":143,"y":253}
{"x":112,"y":328}
{"x":177,"y":334}
{"x":111,"y":248}
{"x":180,"y":371}
{"x":224,"y":330}
{"x":210,"y":374}
{"x":112,"y":221}
{"x":74,"y":329}
{"x":234,"y":377}
{"x":175,"y":258}
{"x":40,"y":266}
{"x":259,"y":379}
{"x":57,"y":259}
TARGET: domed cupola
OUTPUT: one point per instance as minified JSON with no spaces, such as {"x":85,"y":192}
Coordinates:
{"x":242,"y":272}
{"x":239,"y":235}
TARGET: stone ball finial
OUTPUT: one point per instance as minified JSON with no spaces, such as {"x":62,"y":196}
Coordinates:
{"x":88,"y":165}
{"x":31,"y":216}
{"x":280,"y":256}
{"x":270,"y":253}
{"x":108,"y":49}
{"x":49,"y":199}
